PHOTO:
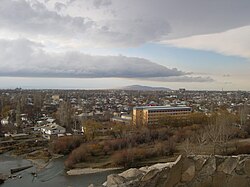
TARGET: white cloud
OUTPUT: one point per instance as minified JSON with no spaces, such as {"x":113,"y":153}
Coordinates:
{"x":234,"y":42}
{"x":24,"y":58}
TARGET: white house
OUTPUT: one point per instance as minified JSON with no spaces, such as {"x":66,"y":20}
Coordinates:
{"x":53,"y":129}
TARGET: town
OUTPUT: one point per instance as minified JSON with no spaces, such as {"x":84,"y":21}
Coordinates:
{"x":62,"y":112}
{"x":122,"y":128}
{"x":30,"y":109}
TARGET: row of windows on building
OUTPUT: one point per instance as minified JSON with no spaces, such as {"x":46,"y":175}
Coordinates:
{"x":168,"y":111}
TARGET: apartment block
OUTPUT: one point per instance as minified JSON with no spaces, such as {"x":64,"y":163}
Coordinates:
{"x":150,"y":115}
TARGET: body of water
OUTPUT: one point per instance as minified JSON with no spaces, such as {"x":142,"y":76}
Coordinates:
{"x":52,"y":175}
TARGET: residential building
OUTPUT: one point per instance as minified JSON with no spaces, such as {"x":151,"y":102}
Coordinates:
{"x":52,"y":130}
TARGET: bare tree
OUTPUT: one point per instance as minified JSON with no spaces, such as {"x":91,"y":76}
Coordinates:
{"x":220,"y":131}
{"x":188,"y":147}
{"x":65,"y":115}
{"x":201,"y":139}
{"x":38,"y":100}
{"x":243,"y":111}
{"x":18,"y":116}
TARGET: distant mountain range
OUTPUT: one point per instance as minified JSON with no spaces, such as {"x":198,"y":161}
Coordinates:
{"x":144,"y":88}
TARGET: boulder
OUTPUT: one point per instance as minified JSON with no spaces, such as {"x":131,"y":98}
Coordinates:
{"x":188,"y":174}
{"x":132,"y":173}
{"x":161,"y":166}
{"x":181,"y":185}
{"x":115,"y":180}
{"x":240,"y":168}
{"x":199,"y":162}
{"x":144,"y":169}
{"x":92,"y":185}
{"x":238,"y":180}
{"x":206,"y":182}
{"x":195,"y":171}
{"x":149,"y":175}
{"x":219,"y":179}
{"x":159,"y":179}
{"x":173,"y":175}
{"x":247,"y":167}
{"x":209,"y":168}
{"x":228,"y":165}
{"x":219,"y":159}
{"x":188,"y":170}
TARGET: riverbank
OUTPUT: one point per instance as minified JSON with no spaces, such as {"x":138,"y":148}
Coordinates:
{"x":53,"y":174}
{"x":90,"y":170}
{"x":39,"y":163}
{"x":42,"y":163}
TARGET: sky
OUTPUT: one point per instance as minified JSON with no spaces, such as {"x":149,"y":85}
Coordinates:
{"x":99,"y":44}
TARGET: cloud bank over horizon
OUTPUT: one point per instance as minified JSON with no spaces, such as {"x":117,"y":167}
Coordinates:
{"x":24,"y":58}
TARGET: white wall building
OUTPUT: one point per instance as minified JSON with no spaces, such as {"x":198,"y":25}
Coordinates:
{"x":53,"y":129}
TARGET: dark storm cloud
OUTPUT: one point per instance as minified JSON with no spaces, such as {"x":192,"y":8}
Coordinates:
{"x":135,"y":22}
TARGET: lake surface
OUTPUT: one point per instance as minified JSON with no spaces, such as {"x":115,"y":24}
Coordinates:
{"x":52,"y":175}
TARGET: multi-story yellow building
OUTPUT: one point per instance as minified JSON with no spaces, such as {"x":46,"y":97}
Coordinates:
{"x":150,"y":115}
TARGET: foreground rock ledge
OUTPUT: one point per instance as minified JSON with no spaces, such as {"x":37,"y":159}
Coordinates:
{"x":192,"y":170}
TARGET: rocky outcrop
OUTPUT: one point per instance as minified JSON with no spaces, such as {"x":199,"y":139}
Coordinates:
{"x":193,"y":170}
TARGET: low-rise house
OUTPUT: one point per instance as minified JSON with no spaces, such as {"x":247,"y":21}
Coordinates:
{"x":122,"y":118}
{"x":52,"y":130}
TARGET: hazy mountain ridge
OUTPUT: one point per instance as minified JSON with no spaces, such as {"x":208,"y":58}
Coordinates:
{"x":144,"y":88}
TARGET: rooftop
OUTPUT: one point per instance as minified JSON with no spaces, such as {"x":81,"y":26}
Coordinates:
{"x":161,"y":107}
{"x":53,"y":127}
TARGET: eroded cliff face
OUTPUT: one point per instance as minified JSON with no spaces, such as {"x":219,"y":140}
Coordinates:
{"x":195,"y":170}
